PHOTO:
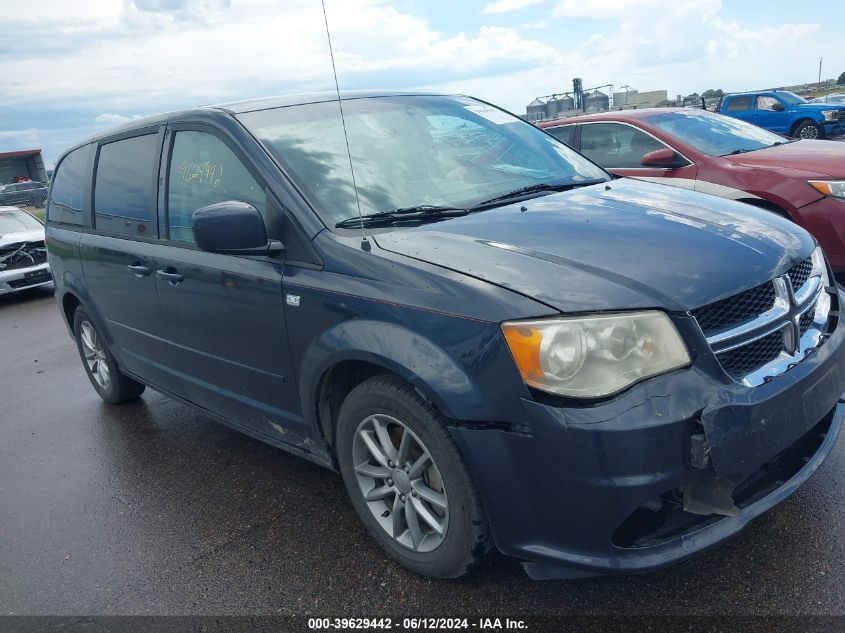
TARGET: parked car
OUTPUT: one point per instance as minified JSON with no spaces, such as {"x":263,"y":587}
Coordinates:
{"x":32,"y":194}
{"x":23,"y":257}
{"x":494,"y":343}
{"x":785,"y":113}
{"x":838,"y":99}
{"x":802,"y":180}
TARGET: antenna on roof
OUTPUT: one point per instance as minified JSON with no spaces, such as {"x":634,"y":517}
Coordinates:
{"x":365,"y":244}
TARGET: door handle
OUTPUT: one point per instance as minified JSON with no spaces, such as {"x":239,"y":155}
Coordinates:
{"x":170,"y":275}
{"x":138,"y":269}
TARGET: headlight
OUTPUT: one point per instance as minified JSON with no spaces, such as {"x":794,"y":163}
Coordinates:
{"x":594,"y":356}
{"x":829,"y":115}
{"x":835,"y":188}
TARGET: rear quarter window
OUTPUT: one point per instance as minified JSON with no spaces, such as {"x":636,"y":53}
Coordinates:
{"x":124,"y":195}
{"x":67,"y":195}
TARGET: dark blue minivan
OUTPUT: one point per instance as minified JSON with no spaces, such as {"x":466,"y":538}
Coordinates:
{"x":495,"y":343}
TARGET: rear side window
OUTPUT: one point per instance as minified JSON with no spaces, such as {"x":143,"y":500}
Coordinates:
{"x":204,"y":171}
{"x":124,"y":196}
{"x":613,"y":145}
{"x":737,"y":104}
{"x":67,"y":197}
{"x":563,"y":133}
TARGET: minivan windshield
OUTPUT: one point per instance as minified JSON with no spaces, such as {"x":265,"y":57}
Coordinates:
{"x":413,"y":151}
{"x":790,"y":97}
{"x":14,"y":221}
{"x":714,"y":134}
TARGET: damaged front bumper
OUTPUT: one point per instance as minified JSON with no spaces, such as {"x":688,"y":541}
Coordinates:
{"x":673,"y":466}
{"x":18,"y":279}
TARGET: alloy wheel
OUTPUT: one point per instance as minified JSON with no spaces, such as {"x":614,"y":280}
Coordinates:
{"x":809,"y":132}
{"x":400,"y":483}
{"x":95,"y":355}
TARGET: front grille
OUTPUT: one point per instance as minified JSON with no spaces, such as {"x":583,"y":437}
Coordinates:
{"x":752,"y":333}
{"x":735,"y":310}
{"x":800,"y":273}
{"x":743,"y":360}
{"x":807,"y":320}
{"x":22,"y":255}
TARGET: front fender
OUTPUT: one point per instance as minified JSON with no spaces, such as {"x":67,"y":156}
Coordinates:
{"x":413,"y":357}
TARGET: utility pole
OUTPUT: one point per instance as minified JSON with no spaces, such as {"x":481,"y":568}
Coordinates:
{"x":820,"y":69}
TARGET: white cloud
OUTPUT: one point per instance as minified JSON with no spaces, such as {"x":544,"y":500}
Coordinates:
{"x":89,"y":10}
{"x":110,"y":59}
{"x":157,"y":57}
{"x":651,"y":45}
{"x":28,"y":137}
{"x":506,"y":6}
{"x":623,"y":9}
{"x":115,"y":119}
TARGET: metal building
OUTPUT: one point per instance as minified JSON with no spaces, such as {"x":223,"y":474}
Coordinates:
{"x":596,"y":102}
{"x":22,"y":165}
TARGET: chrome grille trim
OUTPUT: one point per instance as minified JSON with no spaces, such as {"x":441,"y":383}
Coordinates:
{"x":770,"y":320}
{"x":788,"y":315}
{"x":809,"y":341}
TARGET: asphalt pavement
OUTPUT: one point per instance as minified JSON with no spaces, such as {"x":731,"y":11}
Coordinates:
{"x":150,"y":508}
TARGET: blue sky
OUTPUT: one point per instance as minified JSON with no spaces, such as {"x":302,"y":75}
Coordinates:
{"x":89,"y":65}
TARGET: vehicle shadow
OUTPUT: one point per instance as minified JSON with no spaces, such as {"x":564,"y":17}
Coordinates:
{"x":30,"y":295}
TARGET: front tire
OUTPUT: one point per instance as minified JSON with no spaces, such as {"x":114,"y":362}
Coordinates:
{"x":407,"y":480}
{"x":100,"y":366}
{"x":807,"y":130}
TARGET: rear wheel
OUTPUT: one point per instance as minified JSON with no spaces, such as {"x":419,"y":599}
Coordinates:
{"x":407,"y":480}
{"x":100,"y":366}
{"x":807,"y":130}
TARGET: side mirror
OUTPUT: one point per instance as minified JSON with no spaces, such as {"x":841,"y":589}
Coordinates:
{"x":232,"y":228}
{"x":778,"y":107}
{"x":665,"y":158}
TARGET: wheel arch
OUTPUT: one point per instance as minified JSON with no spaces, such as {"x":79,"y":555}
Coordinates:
{"x":801,"y":121}
{"x":74,"y":295}
{"x":353,"y":351}
{"x":70,"y":302}
{"x":767,"y":205}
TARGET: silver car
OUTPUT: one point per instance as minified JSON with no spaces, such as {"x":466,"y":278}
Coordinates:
{"x":838,"y":98}
{"x":23,"y":258}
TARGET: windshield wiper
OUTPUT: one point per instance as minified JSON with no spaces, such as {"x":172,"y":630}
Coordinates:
{"x":745,"y":151}
{"x":403,"y":214}
{"x":523,"y":192}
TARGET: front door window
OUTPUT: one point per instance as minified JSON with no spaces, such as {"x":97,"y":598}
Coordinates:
{"x":204,"y":171}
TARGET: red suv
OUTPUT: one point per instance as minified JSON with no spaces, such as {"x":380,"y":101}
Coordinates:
{"x":803,"y":180}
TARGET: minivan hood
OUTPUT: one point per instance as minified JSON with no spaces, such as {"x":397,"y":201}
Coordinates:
{"x":815,"y":157}
{"x":627,"y":244}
